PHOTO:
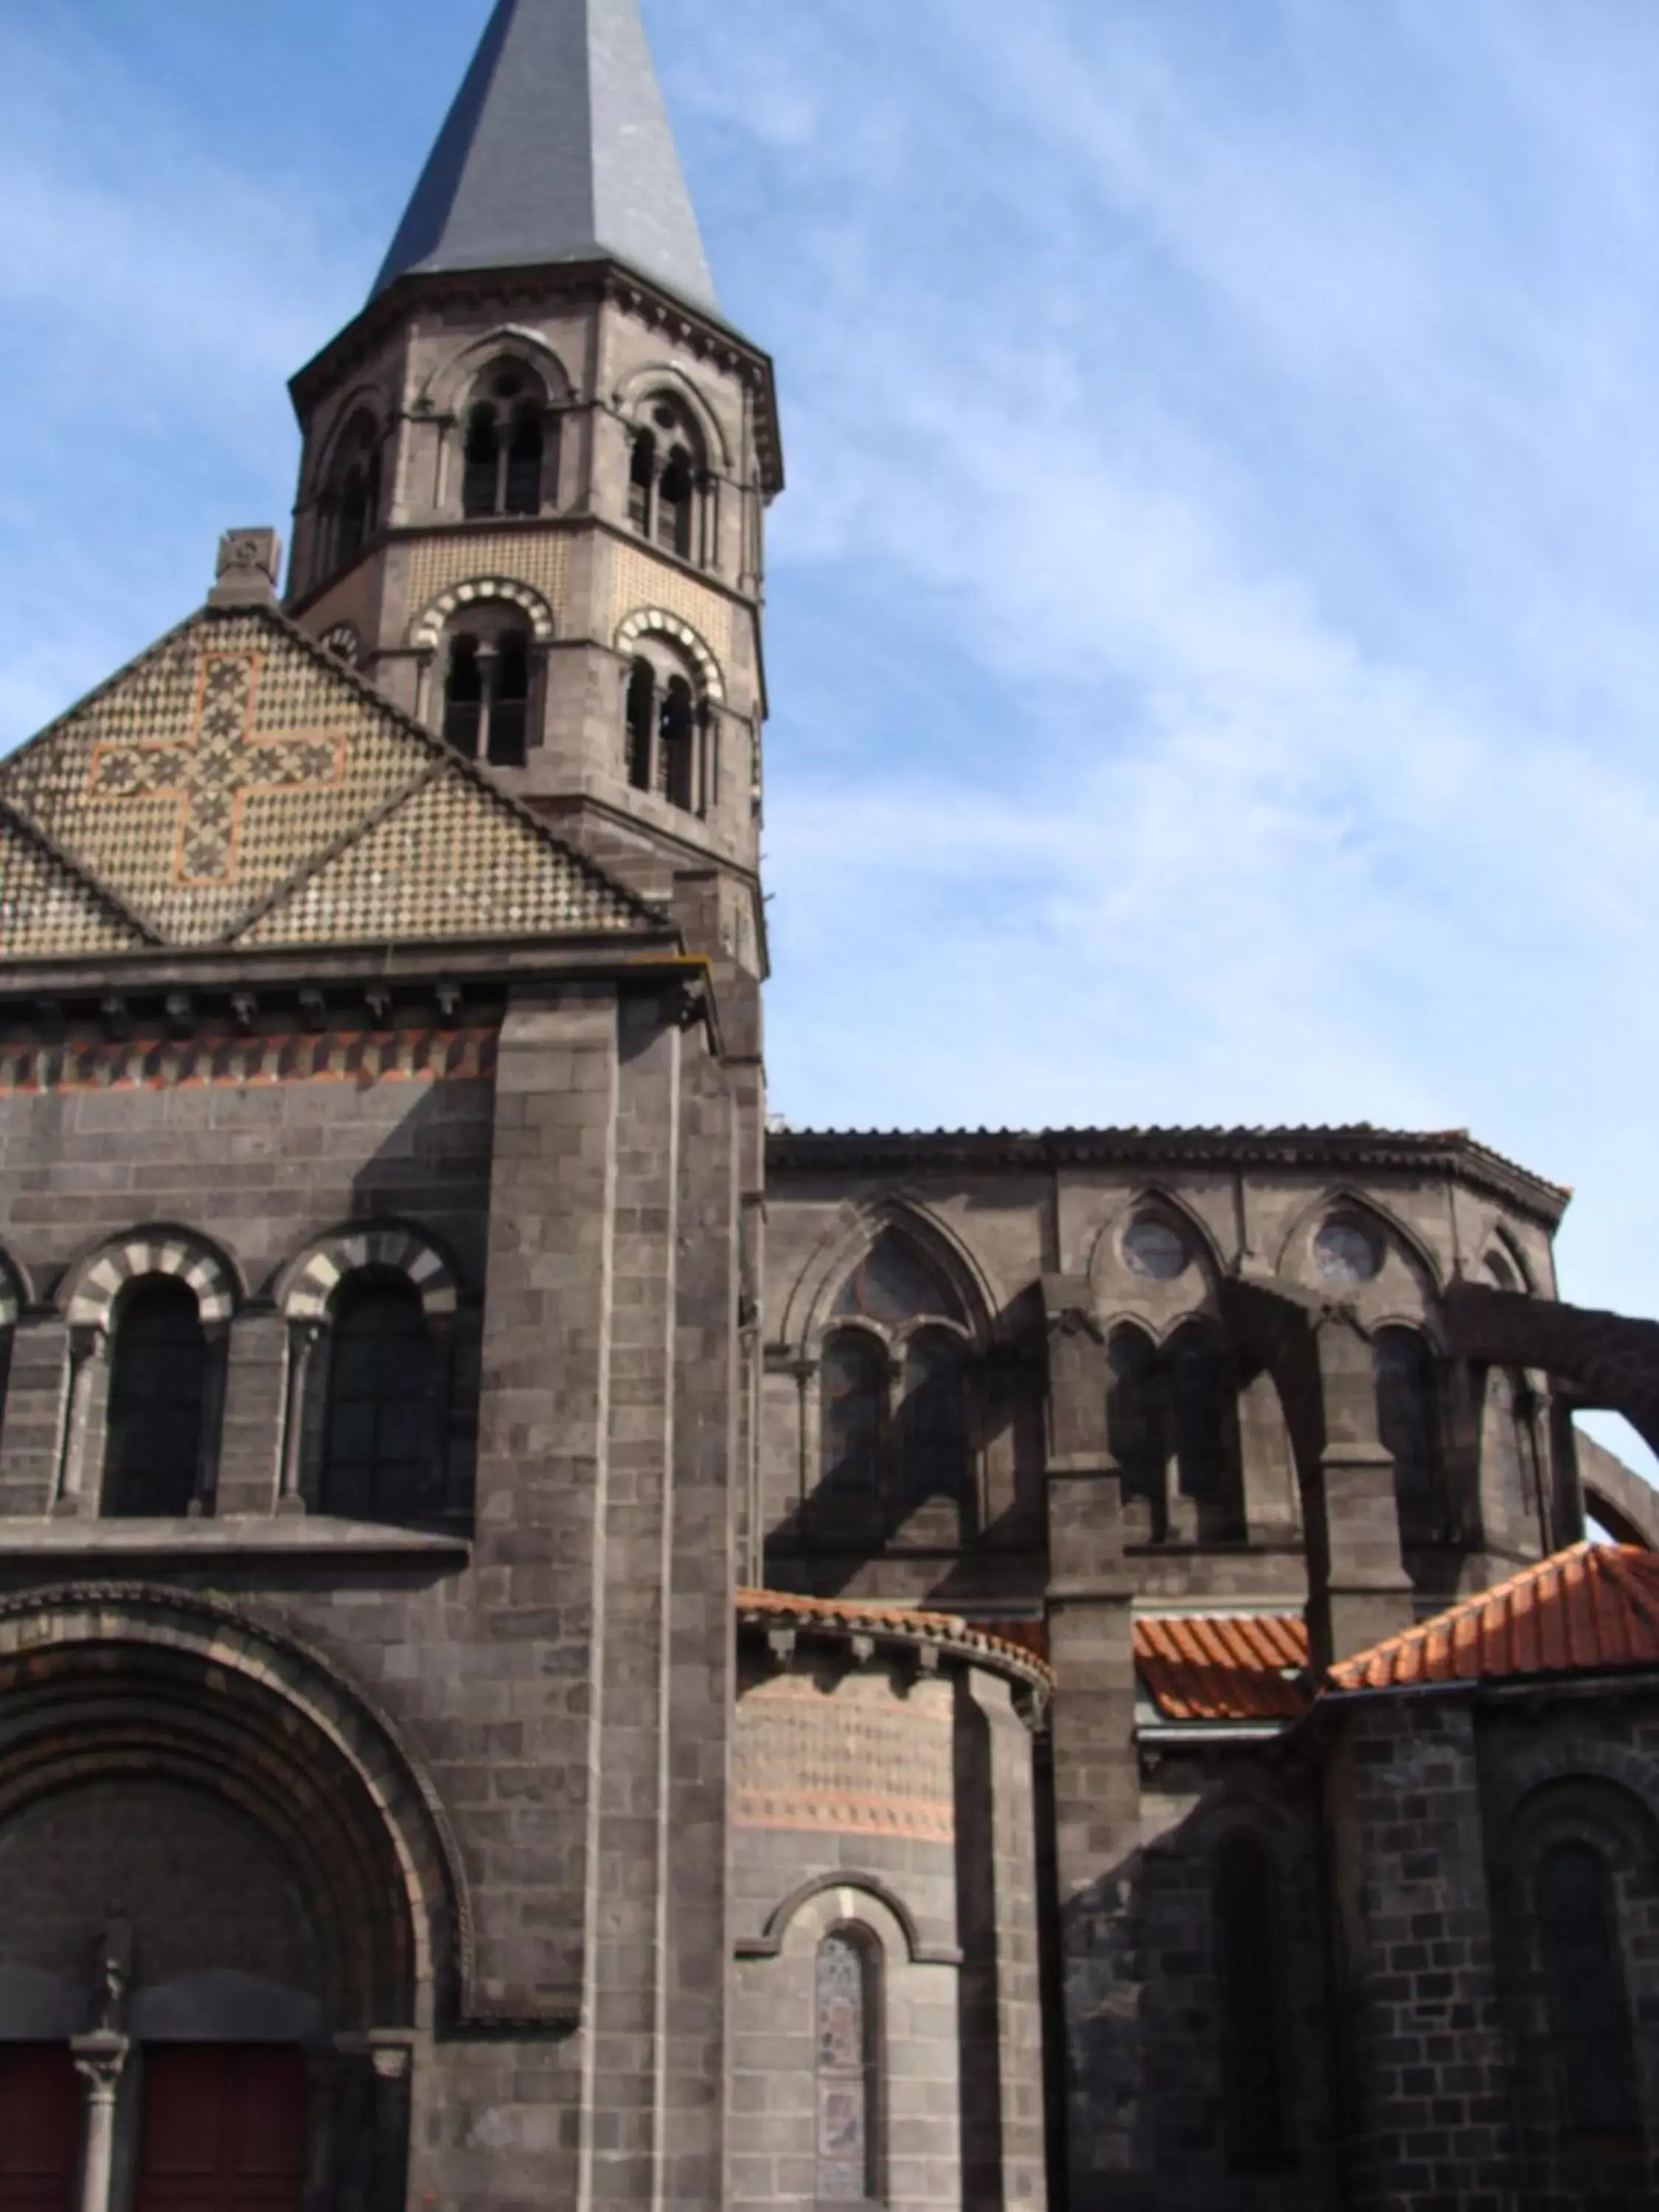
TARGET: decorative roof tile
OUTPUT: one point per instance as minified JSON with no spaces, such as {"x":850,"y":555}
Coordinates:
{"x":236,"y":783}
{"x":445,"y":861}
{"x":47,"y":906}
{"x":1215,"y":1667}
{"x":1594,"y":1606}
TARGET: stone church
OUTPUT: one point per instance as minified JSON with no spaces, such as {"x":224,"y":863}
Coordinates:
{"x":559,"y":1649}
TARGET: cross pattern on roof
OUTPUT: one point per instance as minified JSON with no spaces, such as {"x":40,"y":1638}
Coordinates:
{"x":211,"y":770}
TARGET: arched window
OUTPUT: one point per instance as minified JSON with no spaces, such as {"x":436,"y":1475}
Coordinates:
{"x":847,"y":1997}
{"x":505,"y":448}
{"x":1134,"y":1422}
{"x":663,"y":744}
{"x":675,"y":493}
{"x":463,"y":696}
{"x":487,"y":690}
{"x":853,"y":1412}
{"x":380,"y":1457}
{"x":1249,"y":1968}
{"x":678,"y":743}
{"x":482,"y":463}
{"x":1409,"y":1426}
{"x":667,"y":481}
{"x":933,"y":1434}
{"x":1199,"y":1412}
{"x":352,"y":505}
{"x":1594,"y":2066}
{"x":641,"y":481}
{"x":641,"y":710}
{"x":157,"y":1401}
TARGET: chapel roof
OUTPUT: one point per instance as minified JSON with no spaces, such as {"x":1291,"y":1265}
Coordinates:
{"x":236,"y":785}
{"x":1585,"y":1610}
{"x":557,"y":148}
{"x":1215,"y":1667}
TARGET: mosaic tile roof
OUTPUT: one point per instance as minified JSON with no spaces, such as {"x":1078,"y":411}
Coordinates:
{"x":236,"y":784}
{"x":46,"y":907}
{"x":1594,"y":1606}
{"x":1223,"y":1666}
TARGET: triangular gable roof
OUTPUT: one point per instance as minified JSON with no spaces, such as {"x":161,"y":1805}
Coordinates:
{"x":205,"y":784}
{"x":444,"y":860}
{"x":557,"y":148}
{"x":47,"y":906}
{"x":1594,"y":1606}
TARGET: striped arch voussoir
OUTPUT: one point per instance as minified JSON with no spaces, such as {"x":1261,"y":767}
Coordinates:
{"x":653,"y":621}
{"x":309,"y":1294}
{"x":94,"y":1300}
{"x":429,"y":625}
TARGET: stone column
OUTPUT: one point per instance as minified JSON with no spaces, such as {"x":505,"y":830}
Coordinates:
{"x":99,"y":2060}
{"x":252,"y":1431}
{"x":1097,"y":1781}
{"x":73,"y":1494}
{"x":1359,"y":1590}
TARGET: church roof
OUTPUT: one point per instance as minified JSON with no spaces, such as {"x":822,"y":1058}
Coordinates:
{"x":235,"y":785}
{"x":1584,"y":1610}
{"x":557,"y":148}
{"x":1219,"y":1667}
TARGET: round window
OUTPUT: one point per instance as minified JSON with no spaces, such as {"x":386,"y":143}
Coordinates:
{"x":1153,"y":1248}
{"x":1346,"y":1253}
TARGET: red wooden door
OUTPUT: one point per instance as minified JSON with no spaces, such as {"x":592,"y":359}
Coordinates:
{"x":39,"y":2127}
{"x":224,"y":2128}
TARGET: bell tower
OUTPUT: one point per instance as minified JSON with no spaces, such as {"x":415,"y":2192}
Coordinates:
{"x":535,"y":466}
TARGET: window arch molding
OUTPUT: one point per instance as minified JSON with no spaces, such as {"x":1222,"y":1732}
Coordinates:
{"x":446,"y":391}
{"x":809,"y":1316}
{"x":1104,"y":1266}
{"x":427,"y":631}
{"x":648,"y":623}
{"x":89,"y":1294}
{"x":307,"y":1291}
{"x":363,"y":399}
{"x":662,"y":381}
{"x":1293,"y":1258}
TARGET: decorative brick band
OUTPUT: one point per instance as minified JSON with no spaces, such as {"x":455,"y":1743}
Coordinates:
{"x":238,"y":1063}
{"x":428,"y":626}
{"x":161,"y":1253}
{"x":656,"y":622}
{"x":843,"y":1812}
{"x":307,"y":1297}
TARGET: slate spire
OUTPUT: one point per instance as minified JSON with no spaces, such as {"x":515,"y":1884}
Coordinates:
{"x":557,"y":148}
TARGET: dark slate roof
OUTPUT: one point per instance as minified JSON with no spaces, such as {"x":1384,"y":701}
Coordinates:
{"x":557,"y":148}
{"x":1355,"y":1147}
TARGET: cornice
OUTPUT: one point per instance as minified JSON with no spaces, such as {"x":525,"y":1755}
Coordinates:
{"x":1452,"y":1154}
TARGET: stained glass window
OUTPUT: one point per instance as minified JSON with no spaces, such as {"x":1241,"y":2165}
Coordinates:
{"x":1248,"y":1967}
{"x":464,"y":697}
{"x":1154,"y":1248}
{"x":894,"y":1284}
{"x":1407,"y":1425}
{"x":483,"y":461}
{"x":380,"y":1463}
{"x":934,"y":1442}
{"x":1345,"y":1254}
{"x":853,"y":1412}
{"x":847,"y":2130}
{"x":158,"y":1385}
{"x":522,"y":488}
{"x":1594,"y":2068}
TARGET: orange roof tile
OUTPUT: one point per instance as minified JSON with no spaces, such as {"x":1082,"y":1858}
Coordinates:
{"x":1593,"y":1607}
{"x":1223,"y":1666}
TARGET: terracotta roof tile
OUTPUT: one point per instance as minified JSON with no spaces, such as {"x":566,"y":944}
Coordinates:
{"x":1594,"y":1606}
{"x":1223,"y":1666}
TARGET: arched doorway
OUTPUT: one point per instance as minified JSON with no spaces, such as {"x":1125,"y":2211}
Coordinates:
{"x":224,"y":1940}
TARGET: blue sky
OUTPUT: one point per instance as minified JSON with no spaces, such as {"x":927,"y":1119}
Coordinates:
{"x":1214,"y":640}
